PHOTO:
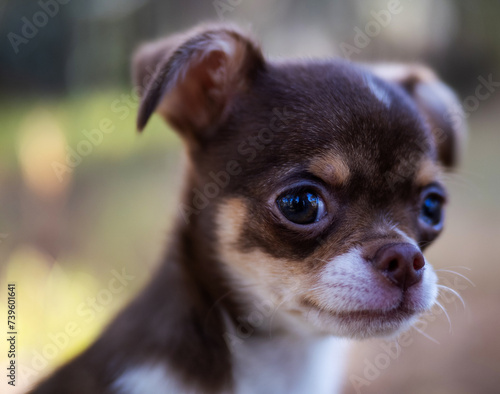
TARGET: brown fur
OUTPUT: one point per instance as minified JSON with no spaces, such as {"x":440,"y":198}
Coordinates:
{"x":278,"y":124}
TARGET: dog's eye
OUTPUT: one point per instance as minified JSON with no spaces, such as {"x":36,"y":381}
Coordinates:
{"x":301,"y":206}
{"x":431,"y":211}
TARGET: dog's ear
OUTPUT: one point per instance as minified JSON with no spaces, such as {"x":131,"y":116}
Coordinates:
{"x":189,"y":79}
{"x":437,"y":103}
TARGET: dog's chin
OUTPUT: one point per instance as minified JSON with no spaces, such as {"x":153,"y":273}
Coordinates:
{"x":362,"y":324}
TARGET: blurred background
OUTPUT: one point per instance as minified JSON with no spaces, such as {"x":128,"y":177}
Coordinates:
{"x":86,"y":202}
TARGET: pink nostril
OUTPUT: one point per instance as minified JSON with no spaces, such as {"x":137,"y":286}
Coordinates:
{"x":418,"y":263}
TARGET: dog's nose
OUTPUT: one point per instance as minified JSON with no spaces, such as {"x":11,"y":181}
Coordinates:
{"x":401,"y":263}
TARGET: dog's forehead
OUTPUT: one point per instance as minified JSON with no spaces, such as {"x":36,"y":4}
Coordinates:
{"x":331,"y":111}
{"x":341,"y":105}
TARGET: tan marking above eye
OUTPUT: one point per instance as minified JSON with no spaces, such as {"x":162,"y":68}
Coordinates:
{"x":428,"y":172}
{"x":330,"y":167}
{"x":230,"y":219}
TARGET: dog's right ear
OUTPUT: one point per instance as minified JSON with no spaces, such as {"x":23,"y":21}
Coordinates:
{"x":437,"y":103}
{"x":190,"y":79}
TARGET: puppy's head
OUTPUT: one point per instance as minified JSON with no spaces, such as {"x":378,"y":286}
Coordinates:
{"x":322,"y":180}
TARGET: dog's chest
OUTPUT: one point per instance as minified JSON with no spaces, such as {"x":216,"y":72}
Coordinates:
{"x":261,"y":366}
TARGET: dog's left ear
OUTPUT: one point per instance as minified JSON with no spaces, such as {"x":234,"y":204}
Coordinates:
{"x":437,"y":103}
{"x":194,"y":76}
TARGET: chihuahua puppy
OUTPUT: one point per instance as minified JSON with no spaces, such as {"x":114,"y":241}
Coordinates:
{"x":312,"y":188}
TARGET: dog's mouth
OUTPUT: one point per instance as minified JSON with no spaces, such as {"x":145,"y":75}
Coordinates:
{"x":399,"y":311}
{"x":361,"y":323}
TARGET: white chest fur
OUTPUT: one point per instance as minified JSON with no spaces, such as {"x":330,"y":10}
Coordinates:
{"x":150,"y":378}
{"x":289,"y":365}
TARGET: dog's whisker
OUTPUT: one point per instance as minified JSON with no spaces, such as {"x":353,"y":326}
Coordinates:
{"x":453,"y":292}
{"x":426,"y":335}
{"x":446,"y":314}
{"x":458,"y":274}
{"x":424,"y":243}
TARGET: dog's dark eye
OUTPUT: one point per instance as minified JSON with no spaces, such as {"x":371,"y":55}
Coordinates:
{"x":301,"y":206}
{"x":431,"y":211}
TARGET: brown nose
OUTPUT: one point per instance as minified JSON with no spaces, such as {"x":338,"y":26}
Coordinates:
{"x":401,"y":263}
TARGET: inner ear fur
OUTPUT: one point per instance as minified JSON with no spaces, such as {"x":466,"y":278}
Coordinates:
{"x":437,"y":103}
{"x":189,"y":79}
